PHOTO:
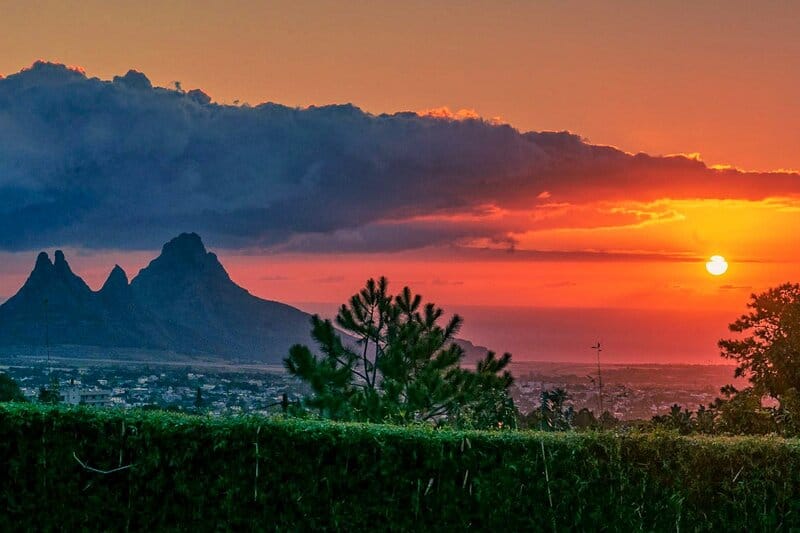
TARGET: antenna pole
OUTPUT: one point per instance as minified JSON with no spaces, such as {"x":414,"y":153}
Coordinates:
{"x":47,"y":337}
{"x":599,"y":349}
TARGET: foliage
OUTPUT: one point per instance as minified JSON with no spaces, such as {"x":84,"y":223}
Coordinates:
{"x":554,"y":414}
{"x":741,"y":413}
{"x":677,"y":419}
{"x":254,"y":474}
{"x":51,"y":394}
{"x":608,"y":421}
{"x":787,"y":414}
{"x":768,"y":350}
{"x":585,"y":419}
{"x":404,"y":366}
{"x":9,"y":389}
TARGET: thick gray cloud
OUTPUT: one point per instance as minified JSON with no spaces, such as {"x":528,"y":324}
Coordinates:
{"x":96,"y":164}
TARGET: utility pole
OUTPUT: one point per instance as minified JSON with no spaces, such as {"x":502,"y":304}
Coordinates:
{"x":598,"y":349}
{"x":47,"y":337}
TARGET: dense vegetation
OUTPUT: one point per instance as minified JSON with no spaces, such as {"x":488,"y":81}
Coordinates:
{"x":169,"y":471}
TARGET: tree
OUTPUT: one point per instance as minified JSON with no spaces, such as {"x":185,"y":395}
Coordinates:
{"x":768,"y":349}
{"x":741,"y":412}
{"x":9,"y":390}
{"x":51,"y":394}
{"x":705,"y":419}
{"x":608,"y":421}
{"x":556,"y":414}
{"x":399,"y":364}
{"x":678,"y":419}
{"x":585,"y":419}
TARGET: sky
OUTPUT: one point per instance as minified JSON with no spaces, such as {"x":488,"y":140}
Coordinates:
{"x":555,"y":172}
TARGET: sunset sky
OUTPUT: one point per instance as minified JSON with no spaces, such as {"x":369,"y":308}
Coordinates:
{"x":557,"y":172}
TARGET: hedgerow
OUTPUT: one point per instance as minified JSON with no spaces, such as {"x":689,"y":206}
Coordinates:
{"x":169,"y":471}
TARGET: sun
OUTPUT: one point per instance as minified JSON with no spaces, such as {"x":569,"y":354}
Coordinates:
{"x":717,"y":265}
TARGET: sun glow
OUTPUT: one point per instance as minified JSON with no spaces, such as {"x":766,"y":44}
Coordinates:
{"x":717,"y":265}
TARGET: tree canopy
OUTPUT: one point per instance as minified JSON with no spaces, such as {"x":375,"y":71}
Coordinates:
{"x":399,"y":363}
{"x":9,"y":390}
{"x":767,"y":351}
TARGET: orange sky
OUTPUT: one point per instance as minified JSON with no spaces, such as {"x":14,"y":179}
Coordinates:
{"x":718,"y":79}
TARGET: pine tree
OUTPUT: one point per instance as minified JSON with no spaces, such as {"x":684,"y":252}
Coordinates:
{"x":403,"y":365}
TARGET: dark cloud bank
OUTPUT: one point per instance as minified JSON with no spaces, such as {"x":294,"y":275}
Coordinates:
{"x":122,"y":164}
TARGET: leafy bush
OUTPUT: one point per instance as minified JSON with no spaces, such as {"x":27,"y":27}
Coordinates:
{"x":182,"y":472}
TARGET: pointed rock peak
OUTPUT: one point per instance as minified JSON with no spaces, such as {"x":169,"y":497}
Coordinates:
{"x":43,"y":262}
{"x":60,"y":263}
{"x":184,"y":257}
{"x":185,"y":245}
{"x":117,"y":279}
{"x":47,"y":276}
{"x":118,"y":274}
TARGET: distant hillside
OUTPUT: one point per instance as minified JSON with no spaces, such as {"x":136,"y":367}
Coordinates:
{"x":472,"y":352}
{"x":183,"y":301}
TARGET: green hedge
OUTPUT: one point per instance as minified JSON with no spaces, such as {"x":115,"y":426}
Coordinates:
{"x":200,"y":473}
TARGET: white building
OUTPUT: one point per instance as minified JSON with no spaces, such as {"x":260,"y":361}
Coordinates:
{"x":76,"y":396}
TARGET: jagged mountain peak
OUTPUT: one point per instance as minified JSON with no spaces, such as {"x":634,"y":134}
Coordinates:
{"x":183,"y":258}
{"x":47,"y":274}
{"x":182,"y":302}
{"x":43,"y":262}
{"x":185,"y":246}
{"x":117,"y":280}
{"x":60,"y":263}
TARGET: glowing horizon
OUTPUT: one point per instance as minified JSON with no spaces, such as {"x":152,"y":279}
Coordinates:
{"x":476,"y":164}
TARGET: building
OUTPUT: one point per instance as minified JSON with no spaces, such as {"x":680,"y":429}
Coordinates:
{"x":76,"y":396}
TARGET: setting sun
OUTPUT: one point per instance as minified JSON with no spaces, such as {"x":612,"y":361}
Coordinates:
{"x":717,"y":265}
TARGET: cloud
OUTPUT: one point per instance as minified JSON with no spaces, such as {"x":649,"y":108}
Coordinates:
{"x":122,"y":164}
{"x":444,"y":112}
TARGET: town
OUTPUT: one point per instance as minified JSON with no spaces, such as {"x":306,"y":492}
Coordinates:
{"x":629,"y":391}
{"x":214,"y":389}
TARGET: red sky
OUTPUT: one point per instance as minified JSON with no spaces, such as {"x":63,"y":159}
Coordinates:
{"x":605,"y":250}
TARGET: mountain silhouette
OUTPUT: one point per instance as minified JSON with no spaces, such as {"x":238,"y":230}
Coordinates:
{"x":183,"y":302}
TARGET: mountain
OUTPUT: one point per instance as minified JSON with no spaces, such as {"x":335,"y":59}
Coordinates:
{"x":183,"y":301}
{"x":472,"y":352}
{"x":190,"y":295}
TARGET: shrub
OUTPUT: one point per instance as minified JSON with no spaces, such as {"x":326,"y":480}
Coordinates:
{"x":248,"y":473}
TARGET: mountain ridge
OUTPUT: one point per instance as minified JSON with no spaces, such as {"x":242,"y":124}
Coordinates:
{"x":183,"y":301}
